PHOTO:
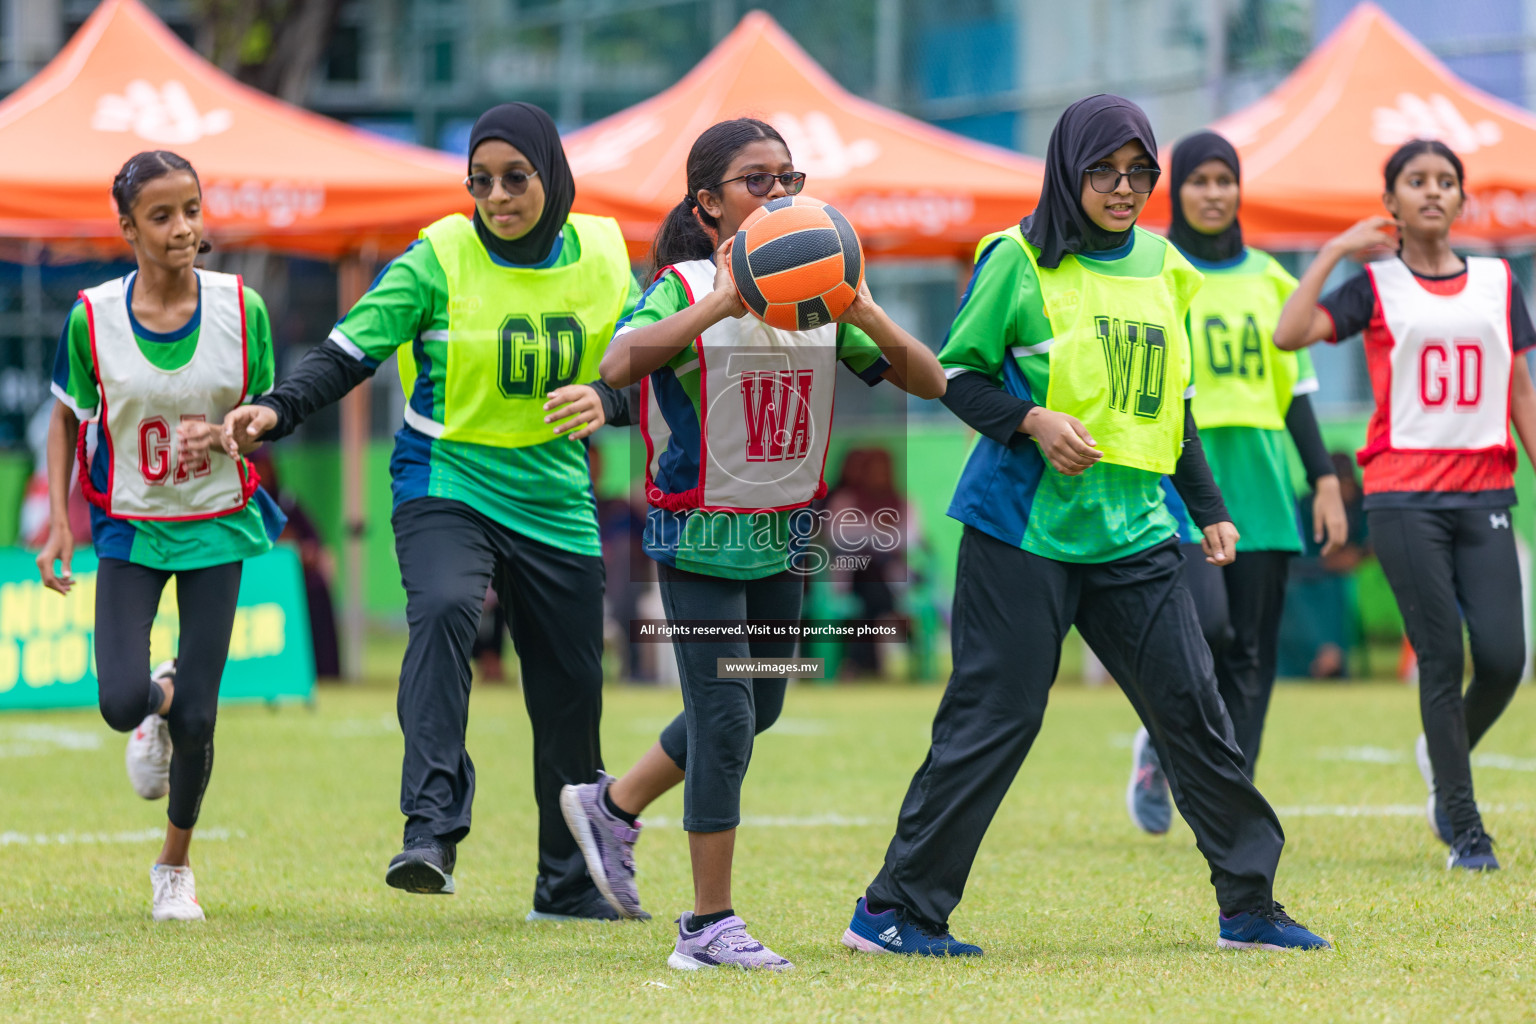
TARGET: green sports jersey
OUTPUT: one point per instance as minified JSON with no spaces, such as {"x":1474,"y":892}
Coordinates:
{"x":1251,"y":464}
{"x":542,"y":491}
{"x":734,"y":545}
{"x":1012,"y":493}
{"x":159,"y":544}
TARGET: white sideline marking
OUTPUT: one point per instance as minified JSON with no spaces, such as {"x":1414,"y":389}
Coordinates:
{"x":351,"y":728}
{"x":143,"y":835}
{"x":782,"y":821}
{"x":1380,"y":810}
{"x":36,"y":740}
{"x":1384,"y":755}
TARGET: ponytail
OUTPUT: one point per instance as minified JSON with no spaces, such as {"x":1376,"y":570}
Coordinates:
{"x":689,"y":232}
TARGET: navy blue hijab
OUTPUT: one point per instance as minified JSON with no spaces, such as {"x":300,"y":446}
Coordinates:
{"x":1190,"y":153}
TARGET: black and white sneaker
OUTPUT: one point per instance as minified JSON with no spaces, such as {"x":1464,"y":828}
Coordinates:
{"x":1472,"y":851}
{"x":594,"y":906}
{"x":424,"y":866}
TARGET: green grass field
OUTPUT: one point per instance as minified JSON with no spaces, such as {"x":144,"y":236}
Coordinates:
{"x":1082,"y":917}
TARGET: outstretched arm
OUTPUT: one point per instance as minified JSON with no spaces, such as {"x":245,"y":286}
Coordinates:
{"x":1301,"y":322}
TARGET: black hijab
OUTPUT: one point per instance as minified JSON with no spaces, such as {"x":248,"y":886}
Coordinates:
{"x":1187,"y":155}
{"x":533,"y":132}
{"x":1088,"y":131}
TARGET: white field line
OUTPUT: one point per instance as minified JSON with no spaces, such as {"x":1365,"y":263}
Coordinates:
{"x":1384,"y":755}
{"x":37,"y":740}
{"x":143,"y":835}
{"x":785,"y":821}
{"x":1383,"y":810}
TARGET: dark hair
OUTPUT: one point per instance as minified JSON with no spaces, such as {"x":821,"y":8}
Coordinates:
{"x":1418,"y":147}
{"x":682,"y":236}
{"x":143,"y":168}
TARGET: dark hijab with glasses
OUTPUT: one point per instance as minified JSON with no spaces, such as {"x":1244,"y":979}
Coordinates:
{"x":532,"y":132}
{"x":1089,"y":131}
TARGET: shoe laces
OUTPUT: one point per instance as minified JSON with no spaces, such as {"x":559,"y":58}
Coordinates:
{"x":159,"y":740}
{"x":736,"y":939}
{"x":1473,"y":842}
{"x":1278,"y":916}
{"x":176,"y":885}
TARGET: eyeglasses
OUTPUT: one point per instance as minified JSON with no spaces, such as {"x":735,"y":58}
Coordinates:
{"x":1107,"y":179}
{"x":513,"y":183}
{"x":760,"y":183}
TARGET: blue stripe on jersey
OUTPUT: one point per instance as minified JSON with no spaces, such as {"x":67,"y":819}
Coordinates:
{"x":368,"y":361}
{"x":410,"y":467}
{"x":997,"y":486}
{"x":639,"y":305}
{"x":61,"y":355}
{"x":112,"y":538}
{"x":1175,"y":505}
{"x":678,"y":468}
{"x":421,"y":391}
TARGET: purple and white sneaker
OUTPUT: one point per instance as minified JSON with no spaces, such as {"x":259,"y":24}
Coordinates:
{"x":607,"y":843}
{"x":722,"y":944}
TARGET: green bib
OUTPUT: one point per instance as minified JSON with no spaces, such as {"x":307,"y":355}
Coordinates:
{"x":1119,"y":354}
{"x":1241,"y":378}
{"x":515,"y":334}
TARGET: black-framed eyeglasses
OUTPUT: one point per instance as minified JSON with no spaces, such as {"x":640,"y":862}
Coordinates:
{"x":760,"y":183}
{"x":1107,"y":179}
{"x":513,"y":183}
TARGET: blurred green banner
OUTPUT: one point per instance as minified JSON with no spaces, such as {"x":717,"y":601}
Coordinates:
{"x":47,"y":655}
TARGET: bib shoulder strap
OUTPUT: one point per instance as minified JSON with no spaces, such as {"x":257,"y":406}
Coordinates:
{"x":449,"y":232}
{"x":108,"y":291}
{"x":698,"y":277}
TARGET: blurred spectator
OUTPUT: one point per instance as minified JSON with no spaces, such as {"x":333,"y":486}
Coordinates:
{"x":1321,"y":622}
{"x":869,"y":522}
{"x":315,"y":559}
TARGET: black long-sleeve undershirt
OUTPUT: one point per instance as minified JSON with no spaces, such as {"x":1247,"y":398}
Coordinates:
{"x":992,"y":412}
{"x":1301,"y":423}
{"x":327,"y":372}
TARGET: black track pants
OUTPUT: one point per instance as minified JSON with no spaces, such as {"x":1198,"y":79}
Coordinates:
{"x":448,"y":554}
{"x":1012,"y":610}
{"x":1446,"y":566}
{"x":127,"y":597}
{"x":1239,"y":607}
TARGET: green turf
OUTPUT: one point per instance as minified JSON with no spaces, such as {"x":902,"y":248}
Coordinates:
{"x":1082,"y":917}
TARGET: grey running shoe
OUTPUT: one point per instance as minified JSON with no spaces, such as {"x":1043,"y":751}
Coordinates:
{"x":1439,"y":821}
{"x":722,"y":944}
{"x":607,"y":842}
{"x":1146,"y":795}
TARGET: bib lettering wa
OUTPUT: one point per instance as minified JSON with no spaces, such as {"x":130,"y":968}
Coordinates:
{"x":148,"y":477}
{"x":1242,"y":379}
{"x":515,"y":334}
{"x":1119,"y":354}
{"x":1450,"y":359}
{"x":765,"y":412}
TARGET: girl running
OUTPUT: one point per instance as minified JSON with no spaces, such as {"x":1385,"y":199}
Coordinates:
{"x":1441,"y":336}
{"x":1250,"y":396}
{"x":499,"y":321}
{"x":155,"y":360}
{"x":1070,"y":356}
{"x":722,"y":527}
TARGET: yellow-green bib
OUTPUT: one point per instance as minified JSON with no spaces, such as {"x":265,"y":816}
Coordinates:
{"x":515,"y":334}
{"x":1241,"y":378}
{"x":1119,"y":353}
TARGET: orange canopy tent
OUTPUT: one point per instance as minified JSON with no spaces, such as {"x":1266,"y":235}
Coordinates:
{"x":1314,"y":148}
{"x":909,"y":188}
{"x":273,"y":175}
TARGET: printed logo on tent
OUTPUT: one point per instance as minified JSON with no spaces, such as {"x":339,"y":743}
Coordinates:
{"x":819,"y":148}
{"x":164,"y":115}
{"x":1434,"y":117}
{"x":611,"y":148}
{"x":927,"y":213}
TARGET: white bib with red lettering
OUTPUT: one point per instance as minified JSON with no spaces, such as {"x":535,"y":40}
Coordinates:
{"x":765,"y":412}
{"x":142,"y":404}
{"x":1450,"y":360}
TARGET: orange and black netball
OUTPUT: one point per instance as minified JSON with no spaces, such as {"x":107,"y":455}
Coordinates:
{"x":797,"y":263}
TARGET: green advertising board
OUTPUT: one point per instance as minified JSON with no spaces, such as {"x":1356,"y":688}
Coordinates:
{"x":47,"y":656}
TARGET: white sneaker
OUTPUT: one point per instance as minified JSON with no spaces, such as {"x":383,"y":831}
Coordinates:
{"x":175,"y":894}
{"x":149,"y":749}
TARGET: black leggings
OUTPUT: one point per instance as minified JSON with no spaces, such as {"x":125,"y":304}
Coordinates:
{"x":1446,"y":565}
{"x":1239,"y":607}
{"x":127,"y":597}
